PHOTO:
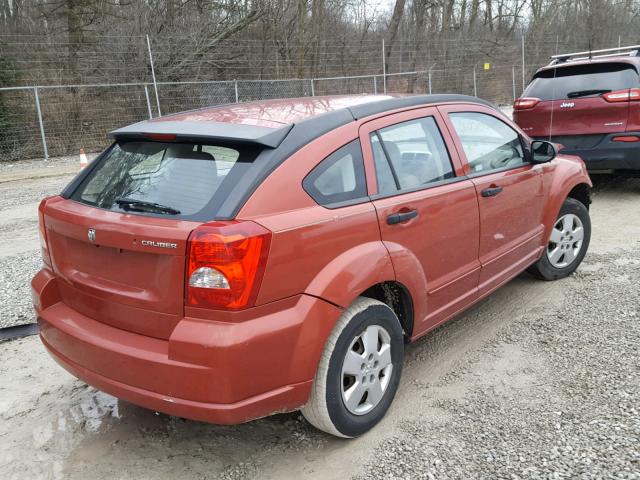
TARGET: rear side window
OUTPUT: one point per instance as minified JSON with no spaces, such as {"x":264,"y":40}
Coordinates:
{"x":576,"y":81}
{"x":339,"y":178}
{"x":183,"y":177}
{"x":410,"y":155}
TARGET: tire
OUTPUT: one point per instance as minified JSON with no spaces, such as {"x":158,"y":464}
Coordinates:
{"x":555,"y":264}
{"x":327,"y":408}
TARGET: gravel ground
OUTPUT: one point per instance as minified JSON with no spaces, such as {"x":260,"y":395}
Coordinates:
{"x":21,"y":192}
{"x":540,"y":380}
{"x":15,"y":290}
{"x":20,"y":252}
{"x":569,"y":408}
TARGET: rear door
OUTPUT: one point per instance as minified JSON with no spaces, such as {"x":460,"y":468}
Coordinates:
{"x":510,"y":191}
{"x":427,"y":212}
{"x":572,"y":102}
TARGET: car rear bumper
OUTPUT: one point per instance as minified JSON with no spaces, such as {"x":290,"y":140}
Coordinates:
{"x":262,"y":362}
{"x":606,"y":154}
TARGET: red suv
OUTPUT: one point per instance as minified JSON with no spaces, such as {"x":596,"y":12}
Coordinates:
{"x":234,"y":262}
{"x":589,"y":105}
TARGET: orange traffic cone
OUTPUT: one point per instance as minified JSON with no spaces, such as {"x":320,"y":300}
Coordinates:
{"x":83,"y":159}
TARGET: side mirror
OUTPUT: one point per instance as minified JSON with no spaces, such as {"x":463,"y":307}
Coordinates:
{"x":542,"y":151}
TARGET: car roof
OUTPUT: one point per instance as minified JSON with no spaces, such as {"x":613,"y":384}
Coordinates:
{"x":268,"y":122}
{"x":274,"y":113}
{"x":634,"y":61}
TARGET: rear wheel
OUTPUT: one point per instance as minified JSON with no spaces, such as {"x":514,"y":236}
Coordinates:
{"x":359,"y":371}
{"x":568,"y":243}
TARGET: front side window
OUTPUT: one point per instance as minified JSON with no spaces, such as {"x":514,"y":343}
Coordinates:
{"x":488,"y":143}
{"x":410,"y":155}
{"x":338,"y":178}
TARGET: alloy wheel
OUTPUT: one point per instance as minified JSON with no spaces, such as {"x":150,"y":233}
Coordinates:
{"x":565,"y":241}
{"x":366,"y":370}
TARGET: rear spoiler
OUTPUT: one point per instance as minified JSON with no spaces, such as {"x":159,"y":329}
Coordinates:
{"x":203,"y":131}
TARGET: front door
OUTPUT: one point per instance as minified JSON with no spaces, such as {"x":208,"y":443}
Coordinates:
{"x":427,"y":212}
{"x":510,"y":192}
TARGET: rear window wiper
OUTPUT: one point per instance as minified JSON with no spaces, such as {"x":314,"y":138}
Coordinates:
{"x":586,"y":93}
{"x":142,"y":206}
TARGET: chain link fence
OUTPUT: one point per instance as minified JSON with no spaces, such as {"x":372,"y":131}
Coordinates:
{"x":56,"y":98}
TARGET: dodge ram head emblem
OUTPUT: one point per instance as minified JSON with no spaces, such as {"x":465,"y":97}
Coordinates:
{"x":91,"y":234}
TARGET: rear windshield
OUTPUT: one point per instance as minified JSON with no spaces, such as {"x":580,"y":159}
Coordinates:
{"x":581,"y":78}
{"x":184,"y":180}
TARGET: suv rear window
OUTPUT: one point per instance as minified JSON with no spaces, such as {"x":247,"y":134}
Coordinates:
{"x":186,"y":178}
{"x":602,"y":76}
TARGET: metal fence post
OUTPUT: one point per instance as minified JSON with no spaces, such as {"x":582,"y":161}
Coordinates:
{"x":313,"y":91}
{"x":235,"y":86}
{"x":146,"y":94}
{"x":384,"y":70}
{"x":375,"y":85}
{"x":513,"y":81}
{"x":42,"y":136}
{"x":153,"y":75}
{"x":430,"y":68}
{"x":475,"y":87}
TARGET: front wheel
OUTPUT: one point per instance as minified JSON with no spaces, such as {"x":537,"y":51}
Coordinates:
{"x":359,"y":370}
{"x":568,"y":242}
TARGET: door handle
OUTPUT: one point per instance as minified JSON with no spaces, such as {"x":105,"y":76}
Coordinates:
{"x":491,"y":191}
{"x":401,"y":217}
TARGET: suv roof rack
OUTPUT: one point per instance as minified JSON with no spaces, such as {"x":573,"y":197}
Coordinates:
{"x":630,"y":50}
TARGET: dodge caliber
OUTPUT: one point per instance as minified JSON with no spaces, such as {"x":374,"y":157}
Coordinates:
{"x":229,"y":263}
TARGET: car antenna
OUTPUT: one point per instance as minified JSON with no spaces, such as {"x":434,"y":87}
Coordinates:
{"x":553,"y":99}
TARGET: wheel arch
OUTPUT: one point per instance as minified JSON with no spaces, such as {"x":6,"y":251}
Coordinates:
{"x":398,"y":298}
{"x":570,"y":180}
{"x":352,"y":272}
{"x":582,"y":193}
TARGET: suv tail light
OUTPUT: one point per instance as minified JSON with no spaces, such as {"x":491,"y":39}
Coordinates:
{"x":525,"y":103}
{"x":629,"y":95}
{"x":225,"y":264}
{"x":46,"y":257}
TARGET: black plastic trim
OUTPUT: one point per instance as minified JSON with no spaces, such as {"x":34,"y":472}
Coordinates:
{"x":607,"y":154}
{"x":300,"y":135}
{"x":385,"y":152}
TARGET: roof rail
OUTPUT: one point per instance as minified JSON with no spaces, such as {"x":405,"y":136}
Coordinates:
{"x":630,"y":50}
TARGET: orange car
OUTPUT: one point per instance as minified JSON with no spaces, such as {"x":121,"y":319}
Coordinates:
{"x":229,"y":263}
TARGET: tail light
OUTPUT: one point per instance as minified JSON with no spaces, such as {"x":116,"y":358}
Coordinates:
{"x":46,"y":257}
{"x":225,"y":264}
{"x":525,"y":103}
{"x":628,"y":95}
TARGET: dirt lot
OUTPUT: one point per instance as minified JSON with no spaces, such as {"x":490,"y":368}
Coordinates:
{"x":541,"y":380}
